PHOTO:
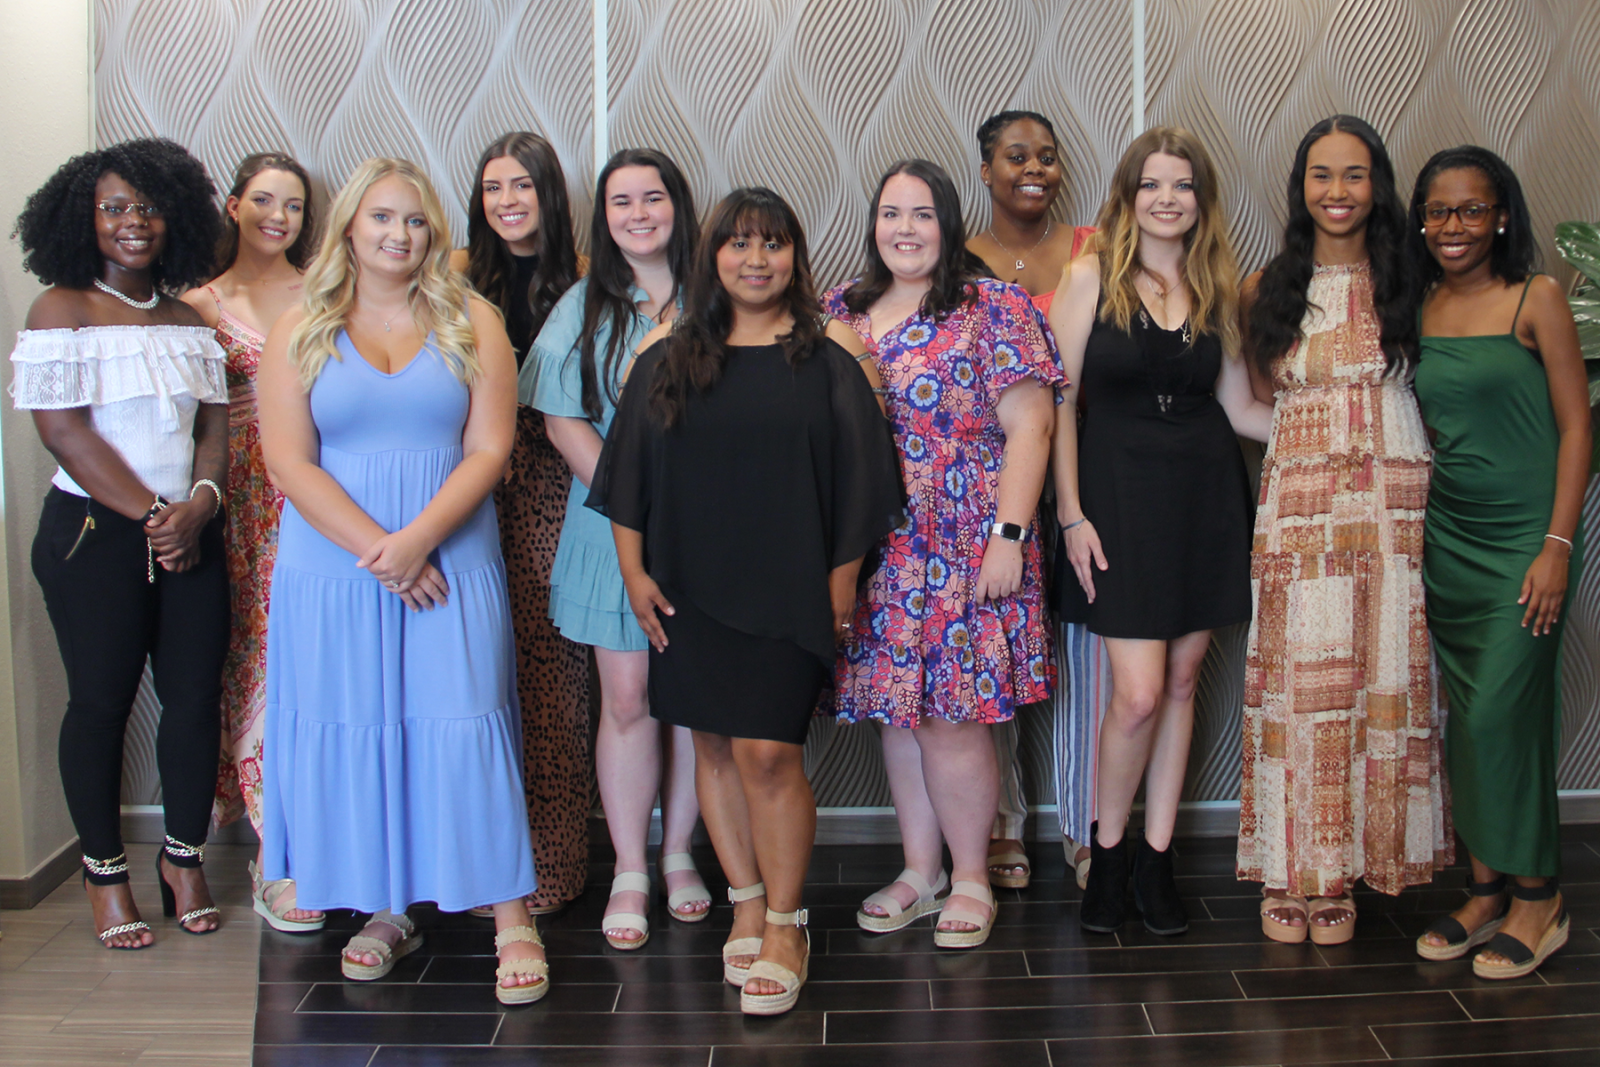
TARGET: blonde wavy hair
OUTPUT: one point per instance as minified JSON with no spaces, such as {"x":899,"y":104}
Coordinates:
{"x":1210,"y":271}
{"x":438,"y":295}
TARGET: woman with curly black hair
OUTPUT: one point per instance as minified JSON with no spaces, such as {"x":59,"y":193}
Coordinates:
{"x":1501,"y":385}
{"x":1341,"y":742}
{"x":127,"y":391}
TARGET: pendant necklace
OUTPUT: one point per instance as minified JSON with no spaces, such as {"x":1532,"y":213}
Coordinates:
{"x":142,"y":305}
{"x":1021,"y":265}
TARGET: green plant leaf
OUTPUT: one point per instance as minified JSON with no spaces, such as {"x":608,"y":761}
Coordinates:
{"x":1579,"y":244}
{"x":1586,"y":313}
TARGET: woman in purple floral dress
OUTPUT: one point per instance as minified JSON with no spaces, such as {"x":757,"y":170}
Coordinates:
{"x":950,"y":634}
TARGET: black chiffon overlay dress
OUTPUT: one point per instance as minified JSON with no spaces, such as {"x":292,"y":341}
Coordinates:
{"x":1161,"y":477}
{"x":768,"y":480}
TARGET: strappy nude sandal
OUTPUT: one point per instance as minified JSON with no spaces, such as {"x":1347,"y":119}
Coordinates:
{"x":528,"y":992}
{"x":1277,"y":929}
{"x":899,"y":917}
{"x":266,"y":897}
{"x":741,"y":946}
{"x":984,"y":923}
{"x":387,"y":954}
{"x":1334,"y":933}
{"x":690,"y":894}
{"x":628,"y":882}
{"x":777,"y":1003}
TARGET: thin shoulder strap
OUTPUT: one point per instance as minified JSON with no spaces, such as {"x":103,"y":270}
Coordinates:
{"x":215,"y":297}
{"x":1524,"y":300}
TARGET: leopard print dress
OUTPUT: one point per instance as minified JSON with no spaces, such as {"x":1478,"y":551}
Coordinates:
{"x":552,"y":672}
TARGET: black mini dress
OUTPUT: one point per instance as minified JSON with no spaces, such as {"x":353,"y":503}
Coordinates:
{"x":771,"y":478}
{"x":1161,"y":477}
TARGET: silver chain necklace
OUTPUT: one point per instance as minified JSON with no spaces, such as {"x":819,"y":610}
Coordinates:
{"x":142,"y":305}
{"x":1021,"y":265}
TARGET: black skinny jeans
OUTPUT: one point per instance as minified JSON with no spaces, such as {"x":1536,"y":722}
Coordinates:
{"x":108,"y":616}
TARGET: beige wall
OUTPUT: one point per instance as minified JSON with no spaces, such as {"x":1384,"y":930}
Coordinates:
{"x":47,"y":116}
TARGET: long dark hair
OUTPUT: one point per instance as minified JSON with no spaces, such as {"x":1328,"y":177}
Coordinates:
{"x":951,"y":284}
{"x":609,"y":295}
{"x":1282,"y":299}
{"x":489,"y":266}
{"x":697,"y":347}
{"x":1513,"y":255}
{"x":305,"y":245}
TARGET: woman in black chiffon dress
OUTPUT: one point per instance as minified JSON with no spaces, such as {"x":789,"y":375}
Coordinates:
{"x":746,"y":474}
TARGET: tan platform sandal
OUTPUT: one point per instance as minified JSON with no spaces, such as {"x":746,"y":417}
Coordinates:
{"x":689,"y":894}
{"x":984,"y":924}
{"x":540,"y":969}
{"x":899,"y":917}
{"x":271,"y":901}
{"x":741,"y":946}
{"x":1002,"y":866}
{"x":1335,"y":933}
{"x":777,"y":1003}
{"x":1080,"y":868}
{"x":628,"y":882}
{"x":387,"y":954}
{"x":1277,"y":929}
{"x":1525,"y":960}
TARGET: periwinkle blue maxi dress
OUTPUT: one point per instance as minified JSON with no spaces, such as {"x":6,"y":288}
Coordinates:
{"x":393,"y":738}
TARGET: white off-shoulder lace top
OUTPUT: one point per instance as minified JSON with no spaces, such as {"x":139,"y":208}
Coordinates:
{"x":141,"y":384}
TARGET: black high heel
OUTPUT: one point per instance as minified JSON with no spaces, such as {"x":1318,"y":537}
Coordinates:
{"x":175,"y":851}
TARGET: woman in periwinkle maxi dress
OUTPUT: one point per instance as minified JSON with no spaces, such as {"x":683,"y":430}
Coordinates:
{"x":394,"y":738}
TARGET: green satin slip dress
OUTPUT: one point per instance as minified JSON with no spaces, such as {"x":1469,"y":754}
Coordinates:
{"x":1494,"y":481}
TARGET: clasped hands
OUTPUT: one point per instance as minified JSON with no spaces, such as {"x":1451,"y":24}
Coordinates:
{"x":400,"y":561}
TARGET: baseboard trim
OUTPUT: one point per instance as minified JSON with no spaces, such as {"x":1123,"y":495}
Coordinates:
{"x":19,"y":894}
{"x":145,"y":824}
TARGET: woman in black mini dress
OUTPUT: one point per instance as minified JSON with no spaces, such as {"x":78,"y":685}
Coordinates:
{"x":746,"y":474}
{"x":1155,"y":512}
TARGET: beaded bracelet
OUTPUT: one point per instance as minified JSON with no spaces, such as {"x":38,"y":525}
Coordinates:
{"x":216,"y":493}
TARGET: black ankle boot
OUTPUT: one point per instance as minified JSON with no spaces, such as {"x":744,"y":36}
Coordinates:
{"x":1105,"y":903}
{"x":1155,"y":893}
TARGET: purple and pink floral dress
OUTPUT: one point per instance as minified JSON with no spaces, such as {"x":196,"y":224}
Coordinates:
{"x":919,"y":644}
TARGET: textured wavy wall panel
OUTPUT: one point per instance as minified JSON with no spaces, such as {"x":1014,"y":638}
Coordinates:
{"x":816,"y":97}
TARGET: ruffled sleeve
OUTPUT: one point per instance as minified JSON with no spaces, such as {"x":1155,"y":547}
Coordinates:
{"x":1013,"y":340}
{"x":868,"y":498}
{"x":621,"y":487}
{"x":100,"y":365}
{"x":550,"y":380}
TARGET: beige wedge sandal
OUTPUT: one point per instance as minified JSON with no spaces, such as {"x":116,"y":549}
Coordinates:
{"x":531,"y":991}
{"x":387,"y":954}
{"x":741,"y":946}
{"x":899,"y":917}
{"x":628,"y":882}
{"x":695,"y":893}
{"x":777,"y":1003}
{"x":984,"y":923}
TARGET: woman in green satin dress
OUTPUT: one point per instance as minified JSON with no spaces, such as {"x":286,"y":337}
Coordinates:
{"x":1502,"y":389}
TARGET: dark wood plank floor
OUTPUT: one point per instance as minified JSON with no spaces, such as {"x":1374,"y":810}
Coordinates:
{"x":1041,"y":992}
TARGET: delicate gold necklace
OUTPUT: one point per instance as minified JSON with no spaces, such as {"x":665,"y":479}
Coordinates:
{"x":1021,"y":265}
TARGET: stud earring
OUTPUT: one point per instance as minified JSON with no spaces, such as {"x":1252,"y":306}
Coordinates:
{"x":1423,"y":230}
{"x":1501,"y":230}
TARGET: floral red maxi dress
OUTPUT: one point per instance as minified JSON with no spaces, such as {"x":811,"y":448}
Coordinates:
{"x":919,"y":643}
{"x":254,"y":506}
